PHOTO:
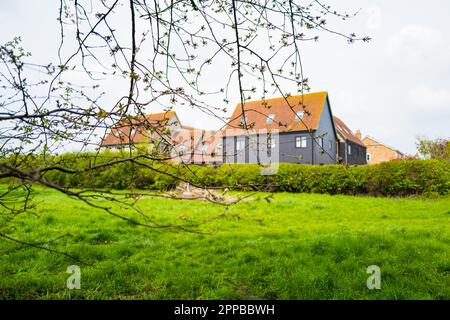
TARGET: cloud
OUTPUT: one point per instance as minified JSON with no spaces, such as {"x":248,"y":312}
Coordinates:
{"x":415,"y":44}
{"x":374,"y":21}
{"x":432,"y":98}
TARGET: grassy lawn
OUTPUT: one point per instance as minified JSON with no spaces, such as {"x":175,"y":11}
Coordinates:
{"x":298,"y":246}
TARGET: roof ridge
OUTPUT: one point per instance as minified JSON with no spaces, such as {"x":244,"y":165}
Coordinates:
{"x":284,"y":98}
{"x":384,"y":144}
{"x":348,"y":134}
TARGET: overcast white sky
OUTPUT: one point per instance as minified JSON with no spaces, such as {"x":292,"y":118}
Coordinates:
{"x":394,"y":88}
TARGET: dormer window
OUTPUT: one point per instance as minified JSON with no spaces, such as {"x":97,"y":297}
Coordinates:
{"x":270,"y":118}
{"x":299,"y":115}
{"x":118,"y":133}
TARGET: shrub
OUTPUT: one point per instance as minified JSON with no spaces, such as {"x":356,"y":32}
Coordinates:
{"x":395,"y":178}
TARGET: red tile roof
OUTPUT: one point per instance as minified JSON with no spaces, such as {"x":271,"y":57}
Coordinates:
{"x":202,"y":145}
{"x":135,"y":129}
{"x":345,"y":131}
{"x":284,"y":111}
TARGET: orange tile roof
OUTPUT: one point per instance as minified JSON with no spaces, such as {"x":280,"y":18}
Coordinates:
{"x":345,"y":131}
{"x":284,"y":110}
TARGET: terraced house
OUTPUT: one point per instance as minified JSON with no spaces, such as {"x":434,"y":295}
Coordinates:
{"x":164,"y":136}
{"x":296,"y":129}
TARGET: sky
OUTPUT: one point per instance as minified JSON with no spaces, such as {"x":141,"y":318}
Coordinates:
{"x":397,"y":86}
{"x":394,"y":88}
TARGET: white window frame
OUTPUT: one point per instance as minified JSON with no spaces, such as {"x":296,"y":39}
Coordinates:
{"x":240,"y":144}
{"x":299,"y":115}
{"x":368,"y":157}
{"x":271,"y":143}
{"x":205,"y":147}
{"x":301,"y":142}
{"x":181,"y":149}
{"x":118,"y":133}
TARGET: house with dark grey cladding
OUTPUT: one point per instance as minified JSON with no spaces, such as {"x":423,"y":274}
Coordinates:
{"x":296,"y":129}
{"x":351,"y":150}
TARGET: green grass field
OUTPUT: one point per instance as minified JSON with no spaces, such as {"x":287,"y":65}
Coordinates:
{"x":298,"y":246}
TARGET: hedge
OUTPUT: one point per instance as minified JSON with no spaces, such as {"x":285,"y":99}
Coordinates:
{"x":395,"y":178}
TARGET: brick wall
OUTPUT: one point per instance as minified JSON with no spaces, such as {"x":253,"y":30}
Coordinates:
{"x":379,"y":152}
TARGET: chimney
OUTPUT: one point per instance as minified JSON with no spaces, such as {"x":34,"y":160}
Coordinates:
{"x":358,"y":134}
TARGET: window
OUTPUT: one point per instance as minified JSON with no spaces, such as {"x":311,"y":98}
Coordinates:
{"x":205,"y":147}
{"x":133,"y":132}
{"x":299,"y":115}
{"x":219,"y":148}
{"x":270,"y":118}
{"x":118,"y":133}
{"x":368,"y":157}
{"x":271,"y":143}
{"x":330,"y":144}
{"x":320,"y":142}
{"x":300,"y":142}
{"x":240,"y":144}
{"x":181,"y":149}
{"x":349,"y":149}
